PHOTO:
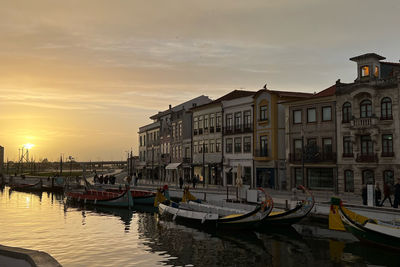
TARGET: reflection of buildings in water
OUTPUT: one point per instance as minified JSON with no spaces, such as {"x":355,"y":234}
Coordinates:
{"x":33,"y":193}
{"x":191,"y":246}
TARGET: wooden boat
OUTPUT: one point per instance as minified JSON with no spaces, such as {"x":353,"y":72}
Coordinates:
{"x":141,"y":197}
{"x":289,"y":217}
{"x":226,"y":216}
{"x":382,"y":233}
{"x":102,"y":198}
{"x":27,"y":187}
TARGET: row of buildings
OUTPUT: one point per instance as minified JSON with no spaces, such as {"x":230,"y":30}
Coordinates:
{"x":335,"y":140}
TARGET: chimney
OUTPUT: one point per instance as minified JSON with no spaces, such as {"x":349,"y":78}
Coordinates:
{"x":170,"y":106}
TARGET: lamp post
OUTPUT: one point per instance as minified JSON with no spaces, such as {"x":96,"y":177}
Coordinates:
{"x":152,"y":164}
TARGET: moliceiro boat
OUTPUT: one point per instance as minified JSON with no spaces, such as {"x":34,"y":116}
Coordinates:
{"x":27,"y":187}
{"x":141,"y":197}
{"x":289,"y":217}
{"x":121,"y":199}
{"x":219,"y":215}
{"x":369,"y":230}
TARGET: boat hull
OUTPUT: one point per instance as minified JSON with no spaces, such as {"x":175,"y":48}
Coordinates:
{"x":100,"y":198}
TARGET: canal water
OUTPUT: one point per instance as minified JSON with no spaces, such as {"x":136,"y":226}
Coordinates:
{"x":93,"y":236}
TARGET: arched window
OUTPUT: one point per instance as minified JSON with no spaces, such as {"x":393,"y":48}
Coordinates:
{"x":346,"y":112}
{"x":386,"y":109}
{"x":348,"y":181}
{"x":366,"y":108}
{"x":368,"y":177}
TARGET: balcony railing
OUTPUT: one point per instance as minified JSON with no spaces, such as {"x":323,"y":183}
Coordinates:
{"x":261,"y":153}
{"x":367,"y":157}
{"x":316,"y":158}
{"x":362,"y":123}
{"x":348,"y":155}
{"x":387,"y":154}
{"x":238,"y":129}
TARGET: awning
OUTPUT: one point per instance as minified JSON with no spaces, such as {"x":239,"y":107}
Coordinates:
{"x":173,"y":166}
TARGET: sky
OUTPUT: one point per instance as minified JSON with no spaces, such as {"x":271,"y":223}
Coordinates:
{"x":80,"y":77}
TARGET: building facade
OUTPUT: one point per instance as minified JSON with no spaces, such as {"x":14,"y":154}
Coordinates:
{"x":1,"y":160}
{"x":368,"y":124}
{"x":149,"y":151}
{"x":311,"y":141}
{"x":238,"y":140}
{"x":269,"y":137}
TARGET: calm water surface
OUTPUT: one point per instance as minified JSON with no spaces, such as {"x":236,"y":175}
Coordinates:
{"x":78,"y":236}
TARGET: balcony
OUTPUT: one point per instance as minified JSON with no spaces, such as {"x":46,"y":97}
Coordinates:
{"x":363,"y":123}
{"x":296,"y":158}
{"x":387,"y":154}
{"x":261,"y":153}
{"x":187,"y":160}
{"x":347,"y":155}
{"x":238,"y":129}
{"x":367,"y":157}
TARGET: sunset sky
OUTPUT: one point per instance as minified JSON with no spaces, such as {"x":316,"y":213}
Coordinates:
{"x":80,"y":77}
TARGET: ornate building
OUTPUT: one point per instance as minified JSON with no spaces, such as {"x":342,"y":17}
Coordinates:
{"x":368,"y":124}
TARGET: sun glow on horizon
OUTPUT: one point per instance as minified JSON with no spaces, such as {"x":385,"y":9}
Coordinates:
{"x":28,"y":145}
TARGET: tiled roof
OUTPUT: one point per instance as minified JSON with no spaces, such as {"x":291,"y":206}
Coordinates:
{"x":368,"y":55}
{"x":290,"y":94}
{"x":229,"y":96}
{"x":330,"y":91}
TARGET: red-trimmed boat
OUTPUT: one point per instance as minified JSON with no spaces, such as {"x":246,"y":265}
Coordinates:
{"x":139,"y":197}
{"x":103,"y":198}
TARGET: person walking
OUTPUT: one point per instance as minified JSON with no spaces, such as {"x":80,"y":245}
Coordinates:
{"x":396,"y":194}
{"x":194,"y":181}
{"x":386,"y":194}
{"x":364,"y":194}
{"x":378,"y":195}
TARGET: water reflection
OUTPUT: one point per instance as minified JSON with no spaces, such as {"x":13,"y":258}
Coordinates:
{"x":102,"y":236}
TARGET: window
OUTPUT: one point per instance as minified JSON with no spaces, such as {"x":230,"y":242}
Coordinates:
{"x":247,"y":119}
{"x":180,"y":128}
{"x":229,"y":122}
{"x":311,"y":115}
{"x":140,"y":141}
{"x":195,"y":126}
{"x":388,"y":177}
{"x":386,"y":109}
{"x":263,"y":113}
{"x":376,"y":71}
{"x":206,"y":122}
{"x":348,"y":181}
{"x":326,"y":113}
{"x":228,"y":145}
{"x":298,"y":149}
{"x":238,"y":120}
{"x":347,"y":147}
{"x":298,"y":176}
{"x":368,"y":177}
{"x":366,"y":109}
{"x":364,"y":71}
{"x":387,"y":145}
{"x":297,"y":116}
{"x":218,"y":123}
{"x":247,"y":144}
{"x":211,"y":146}
{"x":201,"y":125}
{"x":173,"y":130}
{"x":205,"y":147}
{"x":247,"y":175}
{"x":346,"y":112}
{"x":218,"y":145}
{"x":327,"y":148}
{"x":320,"y":177}
{"x":263,"y":146}
{"x":238,"y":145}
{"x":211,"y":123}
{"x":366,"y":145}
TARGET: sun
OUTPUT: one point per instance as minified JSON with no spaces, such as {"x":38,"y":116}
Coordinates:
{"x":28,"y":145}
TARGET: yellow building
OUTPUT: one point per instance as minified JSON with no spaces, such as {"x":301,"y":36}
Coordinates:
{"x":269,"y":137}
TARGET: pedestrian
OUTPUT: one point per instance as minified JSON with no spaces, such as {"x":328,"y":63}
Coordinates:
{"x":396,"y":194}
{"x":194,"y":181}
{"x":180,"y":182}
{"x":386,"y":193}
{"x":364,"y":194}
{"x":101,"y":179}
{"x":378,"y":195}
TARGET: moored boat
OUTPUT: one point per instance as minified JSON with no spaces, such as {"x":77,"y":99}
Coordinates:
{"x":369,"y":230}
{"x":27,"y":187}
{"x":225,"y":216}
{"x":141,"y":197}
{"x":294,"y":215}
{"x":102,"y":198}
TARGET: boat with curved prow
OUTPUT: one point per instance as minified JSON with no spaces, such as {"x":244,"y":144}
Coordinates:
{"x":292,"y":216}
{"x":368,"y":230}
{"x":225,"y":216}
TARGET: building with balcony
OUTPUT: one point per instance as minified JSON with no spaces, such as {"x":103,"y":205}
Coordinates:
{"x":149,"y":151}
{"x":311,"y":141}
{"x":238,"y":140}
{"x":208,"y":141}
{"x":368,"y":124}
{"x":269,"y":137}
